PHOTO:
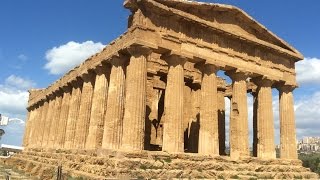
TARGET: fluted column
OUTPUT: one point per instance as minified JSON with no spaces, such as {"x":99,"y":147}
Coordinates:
{"x":288,"y":147}
{"x":239,"y":140}
{"x":173,"y":134}
{"x":82,"y":127}
{"x":55,"y":120}
{"x":265,"y":122}
{"x":27,"y":129}
{"x":222,"y":123}
{"x":208,"y":134}
{"x":135,"y":103}
{"x":33,"y":129}
{"x":42,"y":123}
{"x":61,"y":132}
{"x":73,"y":114}
{"x":48,"y":120}
{"x":113,"y":119}
{"x":99,"y":102}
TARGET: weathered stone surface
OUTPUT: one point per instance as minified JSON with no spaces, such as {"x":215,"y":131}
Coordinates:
{"x":49,"y":117}
{"x":135,"y":102}
{"x":265,"y":122}
{"x":83,"y":120}
{"x":155,"y":165}
{"x":55,"y":121}
{"x":287,"y":124}
{"x":73,"y":115}
{"x":173,"y":140}
{"x":42,"y":123}
{"x":99,"y":103}
{"x":239,"y":132}
{"x":208,"y":134}
{"x":113,"y":120}
{"x":156,"y":88}
{"x":61,"y":134}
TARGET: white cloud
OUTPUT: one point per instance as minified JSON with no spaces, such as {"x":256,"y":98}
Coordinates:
{"x":13,"y":103}
{"x":19,"y":83}
{"x":65,"y":57}
{"x":308,"y":114}
{"x":308,"y":71}
{"x":22,"y":57}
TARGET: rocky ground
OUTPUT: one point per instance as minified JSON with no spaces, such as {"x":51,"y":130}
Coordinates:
{"x":153,"y":165}
{"x":9,"y":173}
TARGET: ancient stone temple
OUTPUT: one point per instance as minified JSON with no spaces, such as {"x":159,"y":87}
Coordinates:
{"x":151,"y":104}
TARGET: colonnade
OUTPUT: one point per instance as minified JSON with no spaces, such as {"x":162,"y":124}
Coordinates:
{"x":106,"y":108}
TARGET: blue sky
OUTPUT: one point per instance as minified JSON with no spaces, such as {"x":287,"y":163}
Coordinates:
{"x":35,"y":34}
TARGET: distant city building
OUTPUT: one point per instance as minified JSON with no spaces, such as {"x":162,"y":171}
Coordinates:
{"x":309,"y":145}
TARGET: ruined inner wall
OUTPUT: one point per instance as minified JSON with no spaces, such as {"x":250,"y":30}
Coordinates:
{"x":156,"y":85}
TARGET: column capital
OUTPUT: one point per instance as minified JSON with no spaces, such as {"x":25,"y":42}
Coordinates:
{"x":118,"y":60}
{"x":263,"y":81}
{"x":50,"y":96}
{"x":101,"y":69}
{"x":66,"y":88}
{"x":137,"y":50}
{"x":174,"y":59}
{"x":207,"y":68}
{"x":76,"y":83}
{"x":237,"y":74}
{"x":87,"y":77}
{"x":286,"y":88}
{"x":58,"y":93}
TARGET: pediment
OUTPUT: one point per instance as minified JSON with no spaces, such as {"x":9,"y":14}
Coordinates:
{"x":230,"y":19}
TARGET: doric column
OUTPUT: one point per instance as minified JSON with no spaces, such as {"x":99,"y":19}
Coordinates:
{"x":135,"y":103}
{"x":173,"y":134}
{"x":55,"y":120}
{"x":61,"y":133}
{"x":265,"y":122}
{"x":208,"y":134}
{"x":27,"y":128}
{"x":42,"y":123}
{"x":48,"y":120}
{"x":83,"y":121}
{"x":99,"y":103}
{"x":239,"y":140}
{"x":33,"y":129}
{"x":221,"y":122}
{"x":288,"y":147}
{"x":73,"y":114}
{"x":113,"y":119}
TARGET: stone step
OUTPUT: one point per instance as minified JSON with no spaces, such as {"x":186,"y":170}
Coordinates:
{"x":134,"y":168}
{"x":84,"y":163}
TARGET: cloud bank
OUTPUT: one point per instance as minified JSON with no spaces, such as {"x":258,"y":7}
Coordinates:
{"x":13,"y":103}
{"x":308,"y":71}
{"x":65,"y":57}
